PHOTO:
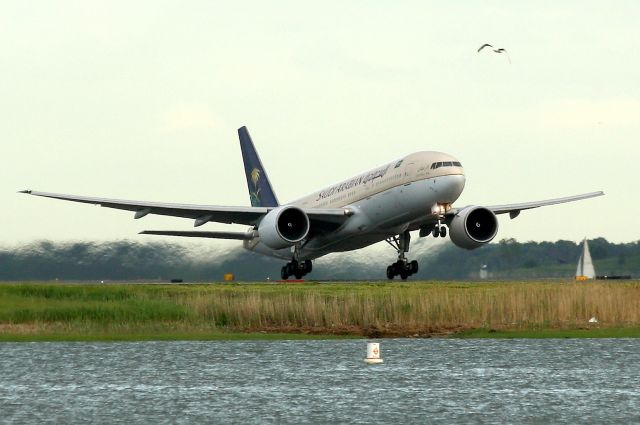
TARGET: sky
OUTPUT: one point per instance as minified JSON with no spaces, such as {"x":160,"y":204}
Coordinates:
{"x":142,"y":100}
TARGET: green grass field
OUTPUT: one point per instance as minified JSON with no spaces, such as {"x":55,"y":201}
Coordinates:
{"x":545,"y":309}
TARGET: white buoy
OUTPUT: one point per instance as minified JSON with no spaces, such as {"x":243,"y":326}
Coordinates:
{"x":373,"y":353}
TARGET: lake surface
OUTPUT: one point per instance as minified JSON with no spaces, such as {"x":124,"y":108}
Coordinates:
{"x":421,"y":381}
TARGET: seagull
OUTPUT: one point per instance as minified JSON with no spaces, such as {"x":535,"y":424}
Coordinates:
{"x":500,"y":50}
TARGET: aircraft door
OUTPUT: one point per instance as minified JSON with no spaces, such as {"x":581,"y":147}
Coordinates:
{"x":410,"y":196}
{"x":409,"y":172}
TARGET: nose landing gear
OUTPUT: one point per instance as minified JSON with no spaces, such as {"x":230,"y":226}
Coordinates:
{"x":403,"y":267}
{"x":439,"y":230}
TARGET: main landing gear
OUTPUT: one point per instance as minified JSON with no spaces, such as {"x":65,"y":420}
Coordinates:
{"x":403,"y":267}
{"x":296,"y":268}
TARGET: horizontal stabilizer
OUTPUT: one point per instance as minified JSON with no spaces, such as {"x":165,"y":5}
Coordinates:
{"x":215,"y":235}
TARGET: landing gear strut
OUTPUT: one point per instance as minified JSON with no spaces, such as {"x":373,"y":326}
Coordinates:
{"x":403,"y":267}
{"x":296,"y":268}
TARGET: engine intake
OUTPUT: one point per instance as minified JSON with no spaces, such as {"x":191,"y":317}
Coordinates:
{"x":283,"y":227}
{"x":473,"y":227}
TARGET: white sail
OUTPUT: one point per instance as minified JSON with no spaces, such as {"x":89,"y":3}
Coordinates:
{"x":585,"y":265}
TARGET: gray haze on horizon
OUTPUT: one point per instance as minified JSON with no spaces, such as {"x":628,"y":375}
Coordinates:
{"x":141,"y":100}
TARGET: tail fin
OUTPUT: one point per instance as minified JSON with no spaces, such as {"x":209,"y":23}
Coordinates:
{"x":260,"y":191}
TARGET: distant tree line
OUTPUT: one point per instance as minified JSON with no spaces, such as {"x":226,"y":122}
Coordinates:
{"x":127,"y":260}
{"x":511,"y":259}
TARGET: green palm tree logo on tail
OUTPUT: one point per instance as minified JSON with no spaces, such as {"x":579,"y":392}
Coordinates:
{"x":255,"y":195}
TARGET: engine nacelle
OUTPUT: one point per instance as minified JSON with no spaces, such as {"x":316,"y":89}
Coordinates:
{"x":473,"y":227}
{"x":283,"y":227}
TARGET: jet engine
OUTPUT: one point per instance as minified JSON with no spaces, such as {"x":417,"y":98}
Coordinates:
{"x":283,"y":227}
{"x":473,"y":227}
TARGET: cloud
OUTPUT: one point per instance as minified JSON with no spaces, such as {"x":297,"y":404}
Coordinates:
{"x":583,"y":113}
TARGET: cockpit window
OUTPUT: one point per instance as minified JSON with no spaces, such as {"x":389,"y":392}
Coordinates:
{"x":445,"y":164}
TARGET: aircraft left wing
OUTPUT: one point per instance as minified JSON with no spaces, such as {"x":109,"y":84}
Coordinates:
{"x":319,"y":218}
{"x":514,"y":209}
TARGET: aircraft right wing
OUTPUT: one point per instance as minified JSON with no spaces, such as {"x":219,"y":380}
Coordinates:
{"x":200,"y":213}
{"x":320,"y":219}
{"x":242,"y":236}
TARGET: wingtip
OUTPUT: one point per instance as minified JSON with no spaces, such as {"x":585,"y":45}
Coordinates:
{"x":28,"y":192}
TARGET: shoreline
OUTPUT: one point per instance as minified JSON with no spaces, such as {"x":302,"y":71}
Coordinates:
{"x":598,"y":333}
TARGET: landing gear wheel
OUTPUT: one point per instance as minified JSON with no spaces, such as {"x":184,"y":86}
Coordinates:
{"x":390,"y":273}
{"x":435,"y":232}
{"x":414,"y":267}
{"x":403,"y":267}
{"x":295,"y":268}
{"x":443,"y":232}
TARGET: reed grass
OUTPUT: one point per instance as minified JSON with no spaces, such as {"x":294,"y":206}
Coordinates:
{"x":421,"y":307}
{"x":371,"y":309}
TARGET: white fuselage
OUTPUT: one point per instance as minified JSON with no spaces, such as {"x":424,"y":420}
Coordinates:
{"x":401,"y":195}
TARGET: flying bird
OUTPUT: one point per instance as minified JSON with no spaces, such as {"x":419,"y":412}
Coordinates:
{"x":500,"y":50}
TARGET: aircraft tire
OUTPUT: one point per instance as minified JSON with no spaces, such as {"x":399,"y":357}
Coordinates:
{"x":414,"y":267}
{"x":390,"y":273}
{"x":443,"y":232}
{"x":283,"y":273}
{"x":435,"y":232}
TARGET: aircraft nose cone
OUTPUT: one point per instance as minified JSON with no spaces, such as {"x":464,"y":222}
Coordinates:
{"x":449,"y":187}
{"x":457,"y":184}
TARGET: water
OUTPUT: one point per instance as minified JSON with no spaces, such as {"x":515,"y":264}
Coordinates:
{"x":421,"y":381}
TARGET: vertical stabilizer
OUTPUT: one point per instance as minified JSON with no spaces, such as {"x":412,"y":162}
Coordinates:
{"x":260,"y":191}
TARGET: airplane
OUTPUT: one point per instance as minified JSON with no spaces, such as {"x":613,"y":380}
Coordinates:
{"x":387,"y":203}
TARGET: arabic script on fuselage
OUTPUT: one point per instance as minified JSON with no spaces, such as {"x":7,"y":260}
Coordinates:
{"x":355,"y":182}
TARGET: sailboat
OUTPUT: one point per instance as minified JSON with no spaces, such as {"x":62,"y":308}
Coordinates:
{"x":585,"y":268}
